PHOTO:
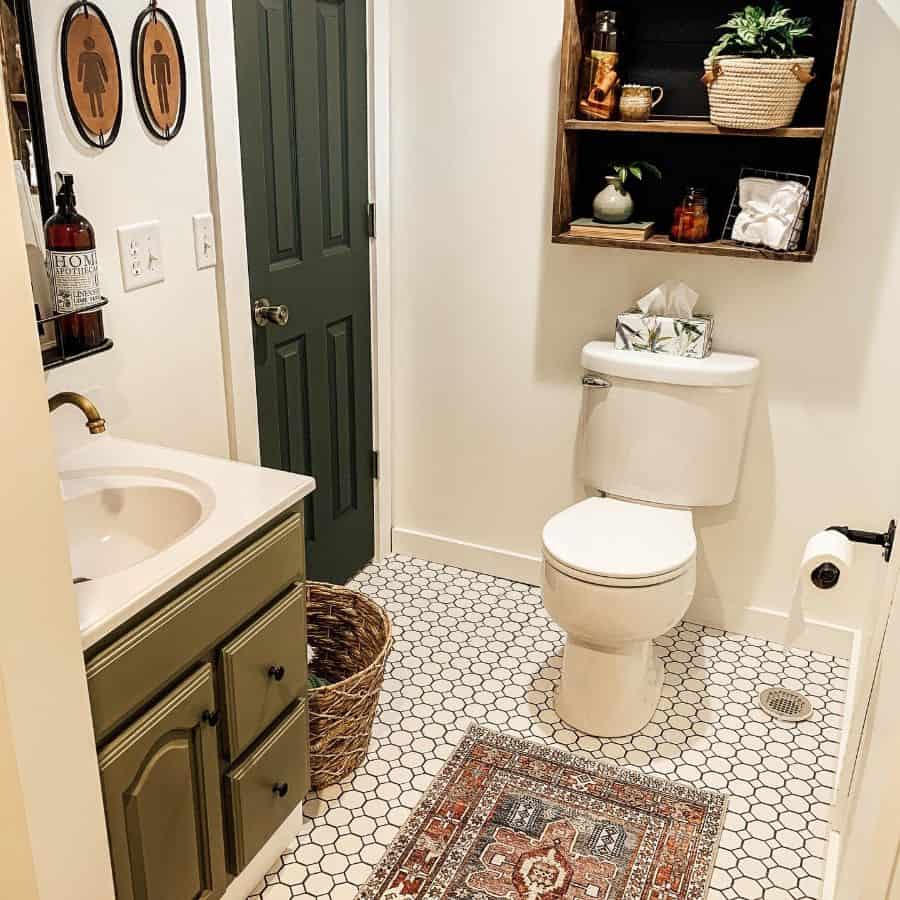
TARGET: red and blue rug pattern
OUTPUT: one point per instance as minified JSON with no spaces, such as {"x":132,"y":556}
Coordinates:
{"x":507,"y":818}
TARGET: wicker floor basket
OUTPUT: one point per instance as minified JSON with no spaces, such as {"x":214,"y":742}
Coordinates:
{"x":757,"y":94}
{"x":351,"y":637}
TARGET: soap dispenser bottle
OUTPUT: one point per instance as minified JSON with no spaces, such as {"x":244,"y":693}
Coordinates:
{"x":73,"y":272}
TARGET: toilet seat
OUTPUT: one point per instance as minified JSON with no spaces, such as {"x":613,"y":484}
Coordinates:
{"x":618,"y":543}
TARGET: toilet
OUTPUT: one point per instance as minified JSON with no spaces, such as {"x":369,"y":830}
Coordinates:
{"x":660,"y":436}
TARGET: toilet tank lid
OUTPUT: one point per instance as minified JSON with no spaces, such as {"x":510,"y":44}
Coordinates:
{"x":717,"y":370}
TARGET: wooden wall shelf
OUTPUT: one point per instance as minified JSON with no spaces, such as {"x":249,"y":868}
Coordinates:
{"x":692,"y":126}
{"x":665,"y":45}
{"x":661,"y":244}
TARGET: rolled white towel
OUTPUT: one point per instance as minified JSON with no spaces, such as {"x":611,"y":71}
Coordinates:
{"x":770,"y":211}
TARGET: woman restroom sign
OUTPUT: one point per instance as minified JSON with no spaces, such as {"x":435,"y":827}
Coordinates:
{"x":91,"y":74}
{"x":157,"y":62}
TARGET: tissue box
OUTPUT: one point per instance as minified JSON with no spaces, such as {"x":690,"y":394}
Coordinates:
{"x":660,"y":334}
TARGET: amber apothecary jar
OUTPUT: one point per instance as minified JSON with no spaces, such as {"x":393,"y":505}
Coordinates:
{"x":690,"y":221}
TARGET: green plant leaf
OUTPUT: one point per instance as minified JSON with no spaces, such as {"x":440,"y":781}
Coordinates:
{"x":757,"y":34}
{"x":635,"y":169}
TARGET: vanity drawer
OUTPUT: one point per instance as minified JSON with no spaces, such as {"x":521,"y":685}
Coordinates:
{"x":134,"y":668}
{"x":264,"y":671}
{"x":263,"y":790}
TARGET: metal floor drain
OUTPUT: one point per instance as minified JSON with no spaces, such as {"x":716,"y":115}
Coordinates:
{"x":789,"y":706}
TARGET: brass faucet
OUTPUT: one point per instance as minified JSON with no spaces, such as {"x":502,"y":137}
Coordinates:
{"x":96,"y":424}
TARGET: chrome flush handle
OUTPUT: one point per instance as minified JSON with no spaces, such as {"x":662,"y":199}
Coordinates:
{"x":595,"y":381}
{"x":264,"y":312}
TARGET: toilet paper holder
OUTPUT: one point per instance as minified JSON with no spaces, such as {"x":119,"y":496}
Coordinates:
{"x":885,"y":540}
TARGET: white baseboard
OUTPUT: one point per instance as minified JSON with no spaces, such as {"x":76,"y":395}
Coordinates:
{"x":766,"y":624}
{"x":258,"y":867}
{"x":772,"y":625}
{"x":477,"y":558}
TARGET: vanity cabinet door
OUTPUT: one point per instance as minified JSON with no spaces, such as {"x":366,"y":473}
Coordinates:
{"x":163,"y":802}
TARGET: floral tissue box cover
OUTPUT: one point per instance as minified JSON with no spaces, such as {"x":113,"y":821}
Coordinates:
{"x":661,"y":334}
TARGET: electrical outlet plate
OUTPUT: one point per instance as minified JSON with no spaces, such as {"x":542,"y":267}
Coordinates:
{"x":140,"y":253}
{"x":204,"y":241}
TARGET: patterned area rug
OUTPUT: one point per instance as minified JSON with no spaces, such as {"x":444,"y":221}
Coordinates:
{"x":506,"y":818}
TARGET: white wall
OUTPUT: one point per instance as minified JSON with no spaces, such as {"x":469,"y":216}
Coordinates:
{"x":163,"y":381}
{"x":52,"y":815}
{"x":489,"y":317}
{"x":892,"y":7}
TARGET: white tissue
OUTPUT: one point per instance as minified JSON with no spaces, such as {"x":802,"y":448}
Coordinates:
{"x":673,"y":299}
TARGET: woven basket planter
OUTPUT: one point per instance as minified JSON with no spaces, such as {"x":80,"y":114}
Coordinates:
{"x":755,"y":94}
{"x":351,"y":637}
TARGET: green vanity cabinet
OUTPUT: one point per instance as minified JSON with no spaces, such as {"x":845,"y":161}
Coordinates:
{"x":199,"y":707}
{"x":163,"y":801}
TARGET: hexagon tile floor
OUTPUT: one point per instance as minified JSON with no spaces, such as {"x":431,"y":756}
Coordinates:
{"x":472,"y":647}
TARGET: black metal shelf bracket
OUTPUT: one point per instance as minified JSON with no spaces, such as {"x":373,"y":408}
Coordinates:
{"x":885,"y":540}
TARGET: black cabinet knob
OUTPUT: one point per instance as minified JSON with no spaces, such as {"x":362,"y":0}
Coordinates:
{"x":276,"y":673}
{"x":280,"y":788}
{"x":211,"y":718}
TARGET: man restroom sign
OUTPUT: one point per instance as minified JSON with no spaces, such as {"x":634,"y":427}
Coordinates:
{"x":157,"y":64}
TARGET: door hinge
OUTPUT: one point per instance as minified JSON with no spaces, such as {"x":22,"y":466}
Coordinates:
{"x":371,"y":220}
{"x":375,"y":467}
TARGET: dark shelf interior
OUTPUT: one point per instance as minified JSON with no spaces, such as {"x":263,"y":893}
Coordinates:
{"x":665,"y":43}
{"x":684,"y":160}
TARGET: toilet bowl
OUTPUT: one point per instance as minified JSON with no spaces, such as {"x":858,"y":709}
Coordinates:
{"x":616,"y":575}
{"x":659,"y":436}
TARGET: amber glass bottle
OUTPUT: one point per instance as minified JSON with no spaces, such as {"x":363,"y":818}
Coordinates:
{"x":73,"y":273}
{"x":690,"y":221}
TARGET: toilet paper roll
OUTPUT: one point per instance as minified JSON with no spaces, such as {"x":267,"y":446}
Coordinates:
{"x":827,"y":548}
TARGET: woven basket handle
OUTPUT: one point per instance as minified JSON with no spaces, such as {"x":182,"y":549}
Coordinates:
{"x":801,"y":74}
{"x":710,"y":77}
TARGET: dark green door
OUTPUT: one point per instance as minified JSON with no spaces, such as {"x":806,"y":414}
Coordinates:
{"x":301,"y":68}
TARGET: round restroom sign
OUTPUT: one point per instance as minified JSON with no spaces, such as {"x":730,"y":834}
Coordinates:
{"x":158,"y":69}
{"x":91,"y":74}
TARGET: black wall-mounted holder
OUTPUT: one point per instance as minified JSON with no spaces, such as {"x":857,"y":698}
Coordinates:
{"x":876,"y":539}
{"x":827,"y":576}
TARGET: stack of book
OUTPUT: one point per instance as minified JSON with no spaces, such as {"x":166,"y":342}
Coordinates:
{"x":626,"y":231}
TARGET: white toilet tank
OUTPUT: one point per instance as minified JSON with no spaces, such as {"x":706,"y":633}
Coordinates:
{"x":667,"y":429}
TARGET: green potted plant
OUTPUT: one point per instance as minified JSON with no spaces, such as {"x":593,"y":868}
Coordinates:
{"x":753,"y":74}
{"x":614,"y":204}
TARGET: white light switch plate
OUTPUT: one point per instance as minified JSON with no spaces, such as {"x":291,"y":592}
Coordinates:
{"x":204,"y":240}
{"x":140,"y":252}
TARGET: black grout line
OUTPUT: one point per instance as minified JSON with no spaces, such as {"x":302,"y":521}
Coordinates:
{"x":505,"y":623}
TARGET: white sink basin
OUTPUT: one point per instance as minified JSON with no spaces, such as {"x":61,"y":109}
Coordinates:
{"x":117,"y":518}
{"x":143,"y":519}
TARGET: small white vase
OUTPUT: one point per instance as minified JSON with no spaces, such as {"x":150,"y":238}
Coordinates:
{"x":613,"y":204}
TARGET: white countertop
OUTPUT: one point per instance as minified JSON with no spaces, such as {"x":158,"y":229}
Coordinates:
{"x":236,"y":500}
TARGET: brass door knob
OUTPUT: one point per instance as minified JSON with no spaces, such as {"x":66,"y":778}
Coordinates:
{"x":264,"y":312}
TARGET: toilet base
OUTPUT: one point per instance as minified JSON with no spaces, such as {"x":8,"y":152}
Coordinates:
{"x":611,"y":692}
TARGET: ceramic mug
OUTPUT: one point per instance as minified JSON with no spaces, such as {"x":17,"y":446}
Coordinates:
{"x":637,"y":102}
